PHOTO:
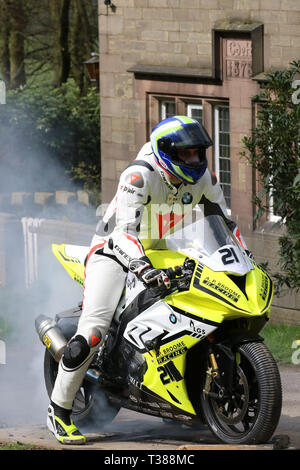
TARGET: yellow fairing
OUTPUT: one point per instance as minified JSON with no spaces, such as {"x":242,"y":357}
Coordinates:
{"x":219,"y":296}
{"x":73,"y":265}
{"x":165,"y":259}
{"x":165,"y":372}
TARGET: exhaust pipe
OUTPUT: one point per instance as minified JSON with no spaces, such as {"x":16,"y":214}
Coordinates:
{"x":51,"y":336}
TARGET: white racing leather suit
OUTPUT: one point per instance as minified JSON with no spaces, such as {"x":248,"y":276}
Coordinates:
{"x":145,"y":208}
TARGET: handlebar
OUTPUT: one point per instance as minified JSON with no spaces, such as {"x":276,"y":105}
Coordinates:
{"x":180,"y":277}
{"x":186,"y":268}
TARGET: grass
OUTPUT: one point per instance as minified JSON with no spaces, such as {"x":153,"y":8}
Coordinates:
{"x":281,"y":340}
{"x":17,"y":446}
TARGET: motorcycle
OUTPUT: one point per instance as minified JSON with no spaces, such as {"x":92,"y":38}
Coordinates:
{"x":189,"y":354}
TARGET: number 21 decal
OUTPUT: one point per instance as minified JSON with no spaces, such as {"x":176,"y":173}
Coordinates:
{"x":169,"y":373}
{"x":229,"y":256}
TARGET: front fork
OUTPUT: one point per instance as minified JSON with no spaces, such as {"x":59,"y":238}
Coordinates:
{"x":213,"y":376}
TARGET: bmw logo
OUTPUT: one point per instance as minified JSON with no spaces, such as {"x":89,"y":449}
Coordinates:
{"x":172,"y":318}
{"x":187,"y":198}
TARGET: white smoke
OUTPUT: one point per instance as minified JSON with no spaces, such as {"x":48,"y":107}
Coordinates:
{"x":48,"y":290}
{"x":22,"y":390}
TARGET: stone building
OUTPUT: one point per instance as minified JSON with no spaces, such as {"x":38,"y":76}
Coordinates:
{"x":205,"y":60}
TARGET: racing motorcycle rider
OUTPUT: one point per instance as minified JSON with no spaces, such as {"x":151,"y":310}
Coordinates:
{"x":168,"y":179}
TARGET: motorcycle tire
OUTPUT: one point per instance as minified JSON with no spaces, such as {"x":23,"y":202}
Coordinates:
{"x":252,"y":413}
{"x":92,"y":408}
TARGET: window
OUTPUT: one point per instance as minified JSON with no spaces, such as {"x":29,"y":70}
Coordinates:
{"x":271,"y":213}
{"x":194,"y":111}
{"x":167,"y":109}
{"x":222,"y":151}
{"x":272,"y":216}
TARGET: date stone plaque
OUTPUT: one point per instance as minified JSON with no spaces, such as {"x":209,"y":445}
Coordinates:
{"x":237,"y":58}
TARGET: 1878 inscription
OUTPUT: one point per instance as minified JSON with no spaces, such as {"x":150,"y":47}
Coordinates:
{"x":238,"y":58}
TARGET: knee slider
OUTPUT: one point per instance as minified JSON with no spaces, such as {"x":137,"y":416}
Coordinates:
{"x":77,"y":350}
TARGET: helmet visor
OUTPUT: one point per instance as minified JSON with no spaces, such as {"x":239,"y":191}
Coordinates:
{"x":191,"y":136}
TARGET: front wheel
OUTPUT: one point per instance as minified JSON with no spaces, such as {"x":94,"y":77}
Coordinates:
{"x":251,"y":413}
{"x":91,"y":406}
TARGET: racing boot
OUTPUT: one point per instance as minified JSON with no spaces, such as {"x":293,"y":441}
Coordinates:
{"x":61,"y":425}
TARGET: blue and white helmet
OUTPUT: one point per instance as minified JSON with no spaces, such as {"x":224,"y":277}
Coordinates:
{"x":175,"y":134}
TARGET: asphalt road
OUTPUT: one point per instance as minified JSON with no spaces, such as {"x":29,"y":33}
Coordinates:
{"x":133,"y":431}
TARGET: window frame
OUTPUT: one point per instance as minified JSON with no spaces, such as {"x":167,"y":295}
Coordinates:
{"x":162,"y":108}
{"x":269,"y":216}
{"x":190,"y":105}
{"x":216,"y":153}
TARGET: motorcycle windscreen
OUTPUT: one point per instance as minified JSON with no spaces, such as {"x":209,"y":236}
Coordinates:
{"x":209,"y":240}
{"x":72,"y":257}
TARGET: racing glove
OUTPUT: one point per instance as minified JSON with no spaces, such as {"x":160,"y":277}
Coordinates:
{"x":150,"y":276}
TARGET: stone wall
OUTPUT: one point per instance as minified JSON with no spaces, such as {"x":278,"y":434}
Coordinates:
{"x":74,"y":206}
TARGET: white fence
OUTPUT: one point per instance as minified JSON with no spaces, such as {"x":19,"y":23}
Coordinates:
{"x":30,"y":227}
{"x":2,"y":92}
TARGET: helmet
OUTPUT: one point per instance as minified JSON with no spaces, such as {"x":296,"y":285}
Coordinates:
{"x":177,"y":133}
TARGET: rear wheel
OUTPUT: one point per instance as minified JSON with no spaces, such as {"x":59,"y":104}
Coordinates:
{"x":251,"y":413}
{"x":91,"y":405}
